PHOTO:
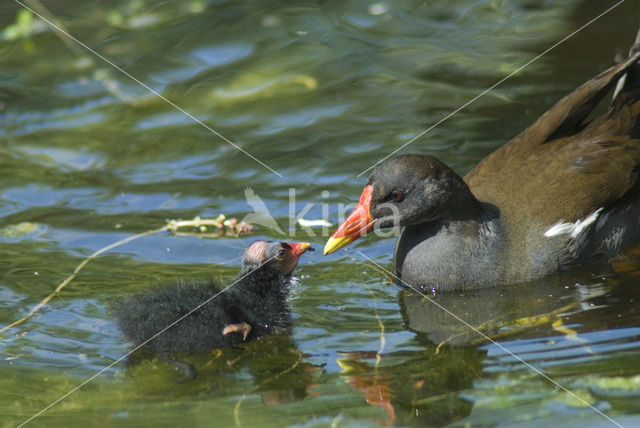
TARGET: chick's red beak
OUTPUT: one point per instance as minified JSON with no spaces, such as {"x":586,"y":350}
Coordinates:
{"x":358,"y":224}
{"x":299,"y":248}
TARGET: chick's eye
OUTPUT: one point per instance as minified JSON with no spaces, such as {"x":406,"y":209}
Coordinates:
{"x":397,"y":196}
{"x":281,"y":253}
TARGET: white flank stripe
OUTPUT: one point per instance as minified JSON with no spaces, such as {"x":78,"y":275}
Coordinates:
{"x":574,"y":229}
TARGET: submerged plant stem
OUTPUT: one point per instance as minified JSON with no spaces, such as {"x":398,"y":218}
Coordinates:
{"x":64,"y":283}
{"x":172,"y":225}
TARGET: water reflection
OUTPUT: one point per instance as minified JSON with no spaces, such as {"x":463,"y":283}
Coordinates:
{"x":453,"y":318}
{"x":542,"y":323}
{"x":272,"y":367}
{"x":422,"y":389}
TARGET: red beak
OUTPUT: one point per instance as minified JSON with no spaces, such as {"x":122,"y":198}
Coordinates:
{"x":299,"y":248}
{"x":358,"y":224}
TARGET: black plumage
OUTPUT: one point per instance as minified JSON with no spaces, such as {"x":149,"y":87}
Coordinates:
{"x":200,"y":315}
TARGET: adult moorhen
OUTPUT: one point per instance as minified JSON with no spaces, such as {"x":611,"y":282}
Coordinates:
{"x":560,"y":193}
{"x":253,"y":305}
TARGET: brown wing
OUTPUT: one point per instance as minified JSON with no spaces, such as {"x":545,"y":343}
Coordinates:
{"x":562,"y":163}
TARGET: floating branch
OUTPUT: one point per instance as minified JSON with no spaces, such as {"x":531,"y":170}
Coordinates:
{"x":221,"y":226}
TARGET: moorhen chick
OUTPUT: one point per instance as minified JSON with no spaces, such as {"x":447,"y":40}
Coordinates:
{"x":253,"y":305}
{"x":562,"y":192}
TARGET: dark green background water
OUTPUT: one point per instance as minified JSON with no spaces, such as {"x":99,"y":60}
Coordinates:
{"x":318,"y":92}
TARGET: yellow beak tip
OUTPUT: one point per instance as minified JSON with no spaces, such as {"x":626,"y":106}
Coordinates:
{"x":302,"y":247}
{"x":334,"y":244}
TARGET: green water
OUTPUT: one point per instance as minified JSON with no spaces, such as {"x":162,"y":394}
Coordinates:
{"x":318,"y":92}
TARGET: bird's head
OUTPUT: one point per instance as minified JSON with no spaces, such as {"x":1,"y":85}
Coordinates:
{"x":280,"y":256}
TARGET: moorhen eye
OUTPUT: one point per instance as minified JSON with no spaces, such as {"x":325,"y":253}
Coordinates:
{"x":281,"y":253}
{"x":397,"y":196}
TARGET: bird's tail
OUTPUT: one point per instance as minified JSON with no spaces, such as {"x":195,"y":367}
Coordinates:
{"x":631,"y":80}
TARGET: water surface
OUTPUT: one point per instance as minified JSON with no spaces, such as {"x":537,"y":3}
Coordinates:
{"x":318,"y":92}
